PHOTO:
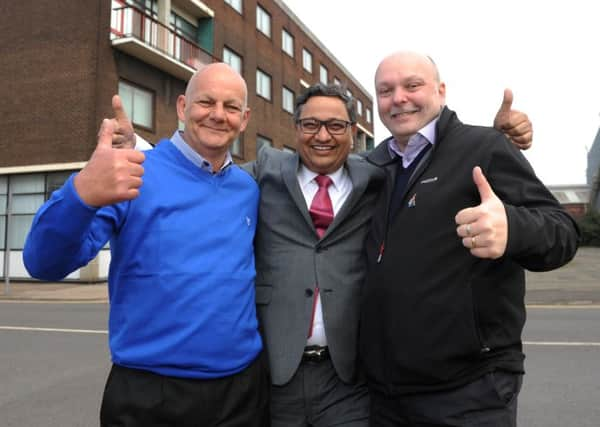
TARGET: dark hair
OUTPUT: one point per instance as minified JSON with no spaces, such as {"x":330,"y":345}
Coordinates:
{"x":332,"y":90}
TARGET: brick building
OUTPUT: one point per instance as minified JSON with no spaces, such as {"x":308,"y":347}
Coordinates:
{"x":574,"y":198}
{"x":63,"y":61}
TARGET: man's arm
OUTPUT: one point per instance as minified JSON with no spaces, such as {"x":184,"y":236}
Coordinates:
{"x":518,"y":218}
{"x":69,"y":229}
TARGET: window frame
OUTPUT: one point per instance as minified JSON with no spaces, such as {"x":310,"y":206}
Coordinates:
{"x":240,"y":143}
{"x":131,"y":114}
{"x":259,"y":84}
{"x":233,"y":4}
{"x":290,"y":37}
{"x":321,"y":69}
{"x":359,"y":107}
{"x":284,"y":90}
{"x":233,"y":53}
{"x":261,"y":14}
{"x":307,"y":54}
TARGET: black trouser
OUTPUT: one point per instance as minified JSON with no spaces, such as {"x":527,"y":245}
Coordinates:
{"x":316,"y":397}
{"x":137,"y":398}
{"x":490,"y":401}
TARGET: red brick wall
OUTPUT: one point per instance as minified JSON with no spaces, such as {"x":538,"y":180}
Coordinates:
{"x":59,"y":72}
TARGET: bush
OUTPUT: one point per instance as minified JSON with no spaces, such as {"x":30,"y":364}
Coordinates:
{"x":590,"y":229}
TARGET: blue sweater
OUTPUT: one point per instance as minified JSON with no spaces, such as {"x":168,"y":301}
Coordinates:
{"x":181,"y":280}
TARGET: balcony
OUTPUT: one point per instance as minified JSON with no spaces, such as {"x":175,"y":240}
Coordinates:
{"x":143,"y":37}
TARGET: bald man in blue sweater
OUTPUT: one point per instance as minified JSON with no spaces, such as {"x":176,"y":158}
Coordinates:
{"x":183,"y":332}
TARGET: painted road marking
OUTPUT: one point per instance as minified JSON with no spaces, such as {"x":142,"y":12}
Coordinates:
{"x":563,"y":343}
{"x":104,"y":332}
{"x":74,"y":331}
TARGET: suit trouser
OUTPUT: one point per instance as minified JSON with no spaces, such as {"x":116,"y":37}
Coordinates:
{"x":315,"y":396}
{"x":137,"y":398}
{"x":490,"y":401}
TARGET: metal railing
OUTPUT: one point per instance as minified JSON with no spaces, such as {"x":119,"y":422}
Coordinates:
{"x":131,"y":22}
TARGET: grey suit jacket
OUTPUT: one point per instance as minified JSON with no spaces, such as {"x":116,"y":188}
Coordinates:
{"x":290,"y":259}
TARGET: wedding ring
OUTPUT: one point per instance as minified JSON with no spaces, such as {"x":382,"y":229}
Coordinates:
{"x":468,"y":229}
{"x":473,"y":242}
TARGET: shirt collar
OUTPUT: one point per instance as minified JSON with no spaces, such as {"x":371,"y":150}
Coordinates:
{"x":305,"y":175}
{"x":194,"y":157}
{"x":415,"y":144}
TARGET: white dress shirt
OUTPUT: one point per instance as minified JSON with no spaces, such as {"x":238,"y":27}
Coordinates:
{"x":339,"y":191}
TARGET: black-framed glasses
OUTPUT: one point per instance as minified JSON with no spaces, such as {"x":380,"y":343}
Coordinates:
{"x":312,"y":126}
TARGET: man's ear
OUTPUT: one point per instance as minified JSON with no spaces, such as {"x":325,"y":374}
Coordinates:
{"x":442,"y":91}
{"x":181,"y":108}
{"x":245,"y":119}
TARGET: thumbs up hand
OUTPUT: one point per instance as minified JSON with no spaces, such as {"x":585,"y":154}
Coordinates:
{"x":514,"y":124}
{"x":111,"y":175}
{"x":123,"y":136}
{"x":484,"y":228}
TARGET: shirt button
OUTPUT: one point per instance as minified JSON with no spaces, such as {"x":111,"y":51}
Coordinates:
{"x":308,"y":293}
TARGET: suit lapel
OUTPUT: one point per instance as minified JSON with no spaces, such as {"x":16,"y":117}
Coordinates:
{"x":360,"y":178}
{"x":289,"y":173}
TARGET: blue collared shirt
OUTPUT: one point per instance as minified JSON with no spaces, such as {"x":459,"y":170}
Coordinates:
{"x":193,"y":156}
{"x":416,"y":143}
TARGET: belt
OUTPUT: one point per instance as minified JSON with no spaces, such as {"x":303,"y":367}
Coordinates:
{"x":315,"y":353}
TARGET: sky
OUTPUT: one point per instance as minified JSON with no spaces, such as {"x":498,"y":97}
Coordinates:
{"x":548,"y":53}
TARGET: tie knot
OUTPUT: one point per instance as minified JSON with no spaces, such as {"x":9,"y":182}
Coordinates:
{"x":323,"y":181}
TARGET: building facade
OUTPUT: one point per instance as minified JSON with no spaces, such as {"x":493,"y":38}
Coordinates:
{"x":593,"y":173}
{"x":574,"y":198}
{"x":63,"y":61}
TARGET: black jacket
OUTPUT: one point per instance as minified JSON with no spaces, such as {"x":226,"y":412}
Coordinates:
{"x":433,"y":315}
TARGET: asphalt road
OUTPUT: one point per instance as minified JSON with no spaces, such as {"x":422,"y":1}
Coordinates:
{"x":54,"y":377}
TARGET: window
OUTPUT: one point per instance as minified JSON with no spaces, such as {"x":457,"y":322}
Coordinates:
{"x":237,"y":147}
{"x":337,"y":81}
{"x":138,"y":103}
{"x":263,"y":84}
{"x":359,"y":107}
{"x":232,"y":59}
{"x":348,"y":93}
{"x":3,"y":208}
{"x":184,"y":28}
{"x":150,"y":7}
{"x":307,"y":60}
{"x":368,"y":114}
{"x":263,"y":21}
{"x":287,"y":43}
{"x":262,"y":140}
{"x":28,"y":193}
{"x":236,"y":4}
{"x":323,"y":77}
{"x":287,"y":100}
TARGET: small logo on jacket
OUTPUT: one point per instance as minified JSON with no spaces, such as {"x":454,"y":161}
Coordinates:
{"x":413,"y":201}
{"x":248,"y":221}
{"x":428,"y":180}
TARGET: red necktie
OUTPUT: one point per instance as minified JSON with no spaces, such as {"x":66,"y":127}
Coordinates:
{"x":321,"y":209}
{"x":321,"y":212}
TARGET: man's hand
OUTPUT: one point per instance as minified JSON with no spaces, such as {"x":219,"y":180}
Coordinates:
{"x":514,"y":124}
{"x":111,"y":175}
{"x":123,"y":136}
{"x":484,"y":228}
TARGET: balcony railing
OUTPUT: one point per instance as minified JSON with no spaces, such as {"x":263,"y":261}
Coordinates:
{"x":129,"y":23}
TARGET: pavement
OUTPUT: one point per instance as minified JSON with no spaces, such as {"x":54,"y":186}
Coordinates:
{"x":577,"y":283}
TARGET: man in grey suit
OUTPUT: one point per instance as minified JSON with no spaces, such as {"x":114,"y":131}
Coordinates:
{"x":308,"y":287}
{"x":309,"y":278}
